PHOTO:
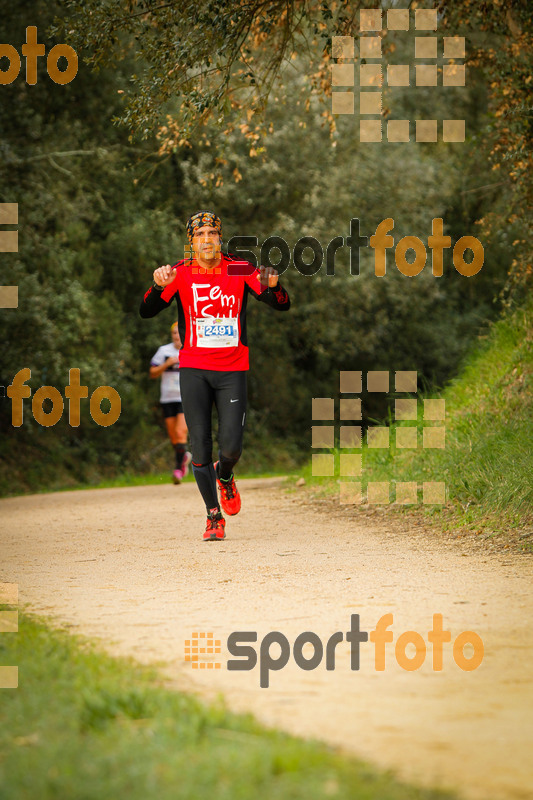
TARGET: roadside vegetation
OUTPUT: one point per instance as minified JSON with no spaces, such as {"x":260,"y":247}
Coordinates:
{"x":83,"y":725}
{"x":102,"y":204}
{"x":487,"y":461}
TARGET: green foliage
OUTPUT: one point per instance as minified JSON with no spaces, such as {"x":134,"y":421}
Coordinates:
{"x":84,"y":725}
{"x":209,"y":58}
{"x":487,"y":463}
{"x":98,"y":214}
{"x":500,"y":46}
{"x":101,"y":706}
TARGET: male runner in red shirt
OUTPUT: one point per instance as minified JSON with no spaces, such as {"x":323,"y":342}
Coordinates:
{"x":211,"y":290}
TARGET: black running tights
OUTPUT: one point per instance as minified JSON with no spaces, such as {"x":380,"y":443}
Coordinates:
{"x":200,"y":390}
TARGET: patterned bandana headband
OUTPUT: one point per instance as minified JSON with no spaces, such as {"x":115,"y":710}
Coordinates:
{"x":200,"y":219}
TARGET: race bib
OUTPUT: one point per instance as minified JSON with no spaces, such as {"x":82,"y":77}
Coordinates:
{"x":217,"y":332}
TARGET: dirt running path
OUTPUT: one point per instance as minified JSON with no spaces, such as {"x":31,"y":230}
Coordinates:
{"x":128,"y":566}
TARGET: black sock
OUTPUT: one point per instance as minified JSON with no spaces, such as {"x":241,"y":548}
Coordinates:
{"x":205,"y":479}
{"x":180,"y":453}
{"x":225,"y":469}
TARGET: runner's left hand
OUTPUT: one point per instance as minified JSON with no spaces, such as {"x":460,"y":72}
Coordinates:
{"x":268,"y":276}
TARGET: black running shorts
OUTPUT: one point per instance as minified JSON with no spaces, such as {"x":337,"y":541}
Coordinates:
{"x":172,"y":409}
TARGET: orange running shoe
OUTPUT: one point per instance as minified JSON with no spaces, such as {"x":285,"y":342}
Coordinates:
{"x":215,"y":527}
{"x":230,"y":499}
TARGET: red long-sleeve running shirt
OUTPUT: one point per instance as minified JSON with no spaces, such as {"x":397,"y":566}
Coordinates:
{"x":212,"y":311}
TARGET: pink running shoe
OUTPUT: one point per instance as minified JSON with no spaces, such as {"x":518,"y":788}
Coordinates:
{"x":177,"y":476}
{"x":187,"y":458}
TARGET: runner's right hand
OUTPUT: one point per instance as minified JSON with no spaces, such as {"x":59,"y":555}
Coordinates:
{"x":164,"y":275}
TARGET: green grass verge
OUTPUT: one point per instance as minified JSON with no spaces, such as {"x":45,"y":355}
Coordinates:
{"x":135,"y":479}
{"x":130,"y":479}
{"x":28,"y":469}
{"x":84,"y":726}
{"x":487,"y":463}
